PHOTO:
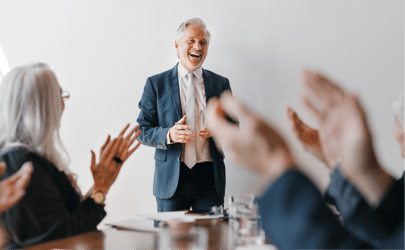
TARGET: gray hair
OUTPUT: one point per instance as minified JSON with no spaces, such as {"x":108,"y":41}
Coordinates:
{"x":191,"y":21}
{"x":398,"y":108}
{"x":30,"y":113}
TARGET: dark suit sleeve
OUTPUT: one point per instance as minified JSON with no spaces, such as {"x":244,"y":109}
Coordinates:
{"x":294,"y":215}
{"x":376,"y":226}
{"x":42,"y":214}
{"x":152,"y":135}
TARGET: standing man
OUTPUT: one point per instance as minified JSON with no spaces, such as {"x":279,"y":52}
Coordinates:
{"x":189,"y":169}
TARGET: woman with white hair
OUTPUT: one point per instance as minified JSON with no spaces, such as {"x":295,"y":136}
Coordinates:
{"x":31,"y":107}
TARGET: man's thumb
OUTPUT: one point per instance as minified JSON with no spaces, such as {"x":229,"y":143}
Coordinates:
{"x":183,"y":119}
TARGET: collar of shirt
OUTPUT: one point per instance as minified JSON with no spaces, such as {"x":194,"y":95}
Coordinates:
{"x":183,"y":71}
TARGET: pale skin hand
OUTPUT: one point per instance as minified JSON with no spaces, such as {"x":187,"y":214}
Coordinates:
{"x":255,"y":145}
{"x":179,"y":134}
{"x":205,"y":133}
{"x":106,"y":171}
{"x":12,"y":189}
{"x":346,"y":133}
{"x":308,"y":136}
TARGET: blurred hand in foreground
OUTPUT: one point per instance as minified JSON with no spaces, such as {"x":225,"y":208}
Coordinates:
{"x":256,"y":144}
{"x":344,"y":133}
{"x":308,"y":136}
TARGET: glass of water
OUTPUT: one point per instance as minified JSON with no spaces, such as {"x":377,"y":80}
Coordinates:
{"x":244,"y":220}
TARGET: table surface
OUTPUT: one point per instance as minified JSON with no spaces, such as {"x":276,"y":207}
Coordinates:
{"x":111,"y":238}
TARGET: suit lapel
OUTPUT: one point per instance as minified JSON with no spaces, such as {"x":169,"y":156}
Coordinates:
{"x":175,"y":91}
{"x":208,"y":84}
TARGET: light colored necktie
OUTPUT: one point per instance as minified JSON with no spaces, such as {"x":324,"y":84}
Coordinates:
{"x":190,"y":157}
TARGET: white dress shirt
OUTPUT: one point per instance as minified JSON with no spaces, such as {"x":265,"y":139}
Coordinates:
{"x":202,"y":145}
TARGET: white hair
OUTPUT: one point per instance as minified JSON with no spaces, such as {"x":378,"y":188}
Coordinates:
{"x":398,"y":108}
{"x":191,"y":21}
{"x":30,"y":114}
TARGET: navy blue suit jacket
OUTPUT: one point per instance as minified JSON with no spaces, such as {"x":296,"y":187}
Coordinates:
{"x":294,"y":215}
{"x":375,"y":226}
{"x":160,"y":108}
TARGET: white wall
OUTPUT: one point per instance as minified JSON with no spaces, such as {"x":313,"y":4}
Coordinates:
{"x":103,"y":51}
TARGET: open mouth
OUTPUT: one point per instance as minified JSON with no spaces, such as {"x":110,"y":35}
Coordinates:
{"x":196,"y":55}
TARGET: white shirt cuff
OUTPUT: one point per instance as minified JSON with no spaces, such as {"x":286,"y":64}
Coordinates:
{"x":168,"y":141}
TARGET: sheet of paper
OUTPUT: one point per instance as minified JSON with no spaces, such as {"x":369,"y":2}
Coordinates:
{"x":165,"y":216}
{"x":136,"y":225}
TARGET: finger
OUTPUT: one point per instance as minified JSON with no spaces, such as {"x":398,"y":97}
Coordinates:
{"x":326,"y":92}
{"x":15,"y":198}
{"x":182,"y":127}
{"x":228,"y":104}
{"x":124,"y":130}
{"x":315,"y":112}
{"x":123,"y":148}
{"x":27,"y":171}
{"x":186,"y":137}
{"x":3,"y":166}
{"x":131,"y":133}
{"x":108,"y":150}
{"x":134,"y":149}
{"x":93,"y":160}
{"x":137,"y":134}
{"x":217,"y":115}
{"x":114,"y":149}
{"x":183,"y":132}
{"x":182,"y":120}
{"x":106,"y":143}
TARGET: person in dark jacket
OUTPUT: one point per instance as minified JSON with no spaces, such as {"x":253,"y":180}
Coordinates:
{"x":341,"y":193}
{"x":31,"y":107}
{"x":294,"y":214}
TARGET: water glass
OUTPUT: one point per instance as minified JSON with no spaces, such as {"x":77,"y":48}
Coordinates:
{"x":244,"y":220}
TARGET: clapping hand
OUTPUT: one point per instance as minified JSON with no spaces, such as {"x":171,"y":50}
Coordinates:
{"x":345,"y":134}
{"x":256,"y":144}
{"x":12,"y":189}
{"x":308,"y":136}
{"x":113,"y":155}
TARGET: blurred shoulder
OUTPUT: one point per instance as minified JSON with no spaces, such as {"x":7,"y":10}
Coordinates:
{"x":15,"y":157}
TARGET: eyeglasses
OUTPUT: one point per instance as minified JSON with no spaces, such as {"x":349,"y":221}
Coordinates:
{"x":65,"y":95}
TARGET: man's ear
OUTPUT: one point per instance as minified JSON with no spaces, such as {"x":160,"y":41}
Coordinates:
{"x":176,"y":44}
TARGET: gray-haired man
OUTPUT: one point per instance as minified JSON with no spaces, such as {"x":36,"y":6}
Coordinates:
{"x":189,"y":169}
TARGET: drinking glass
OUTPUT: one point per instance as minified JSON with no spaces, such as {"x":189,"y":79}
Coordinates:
{"x":244,"y":220}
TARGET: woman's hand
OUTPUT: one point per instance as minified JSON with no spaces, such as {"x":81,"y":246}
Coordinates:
{"x":113,"y":155}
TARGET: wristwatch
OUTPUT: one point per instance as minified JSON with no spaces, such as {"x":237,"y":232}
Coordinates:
{"x":98,"y":197}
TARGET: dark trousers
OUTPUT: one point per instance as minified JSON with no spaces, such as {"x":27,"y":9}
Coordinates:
{"x":196,"y":190}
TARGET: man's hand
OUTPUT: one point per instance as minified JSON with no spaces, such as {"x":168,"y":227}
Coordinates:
{"x":345,"y":132}
{"x":12,"y":189}
{"x":179,"y":134}
{"x":256,"y":144}
{"x":308,"y":136}
{"x":205,"y":133}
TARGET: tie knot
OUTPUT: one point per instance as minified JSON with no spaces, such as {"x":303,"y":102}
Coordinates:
{"x":190,"y":75}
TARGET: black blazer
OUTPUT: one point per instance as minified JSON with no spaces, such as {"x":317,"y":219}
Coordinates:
{"x":51,"y":208}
